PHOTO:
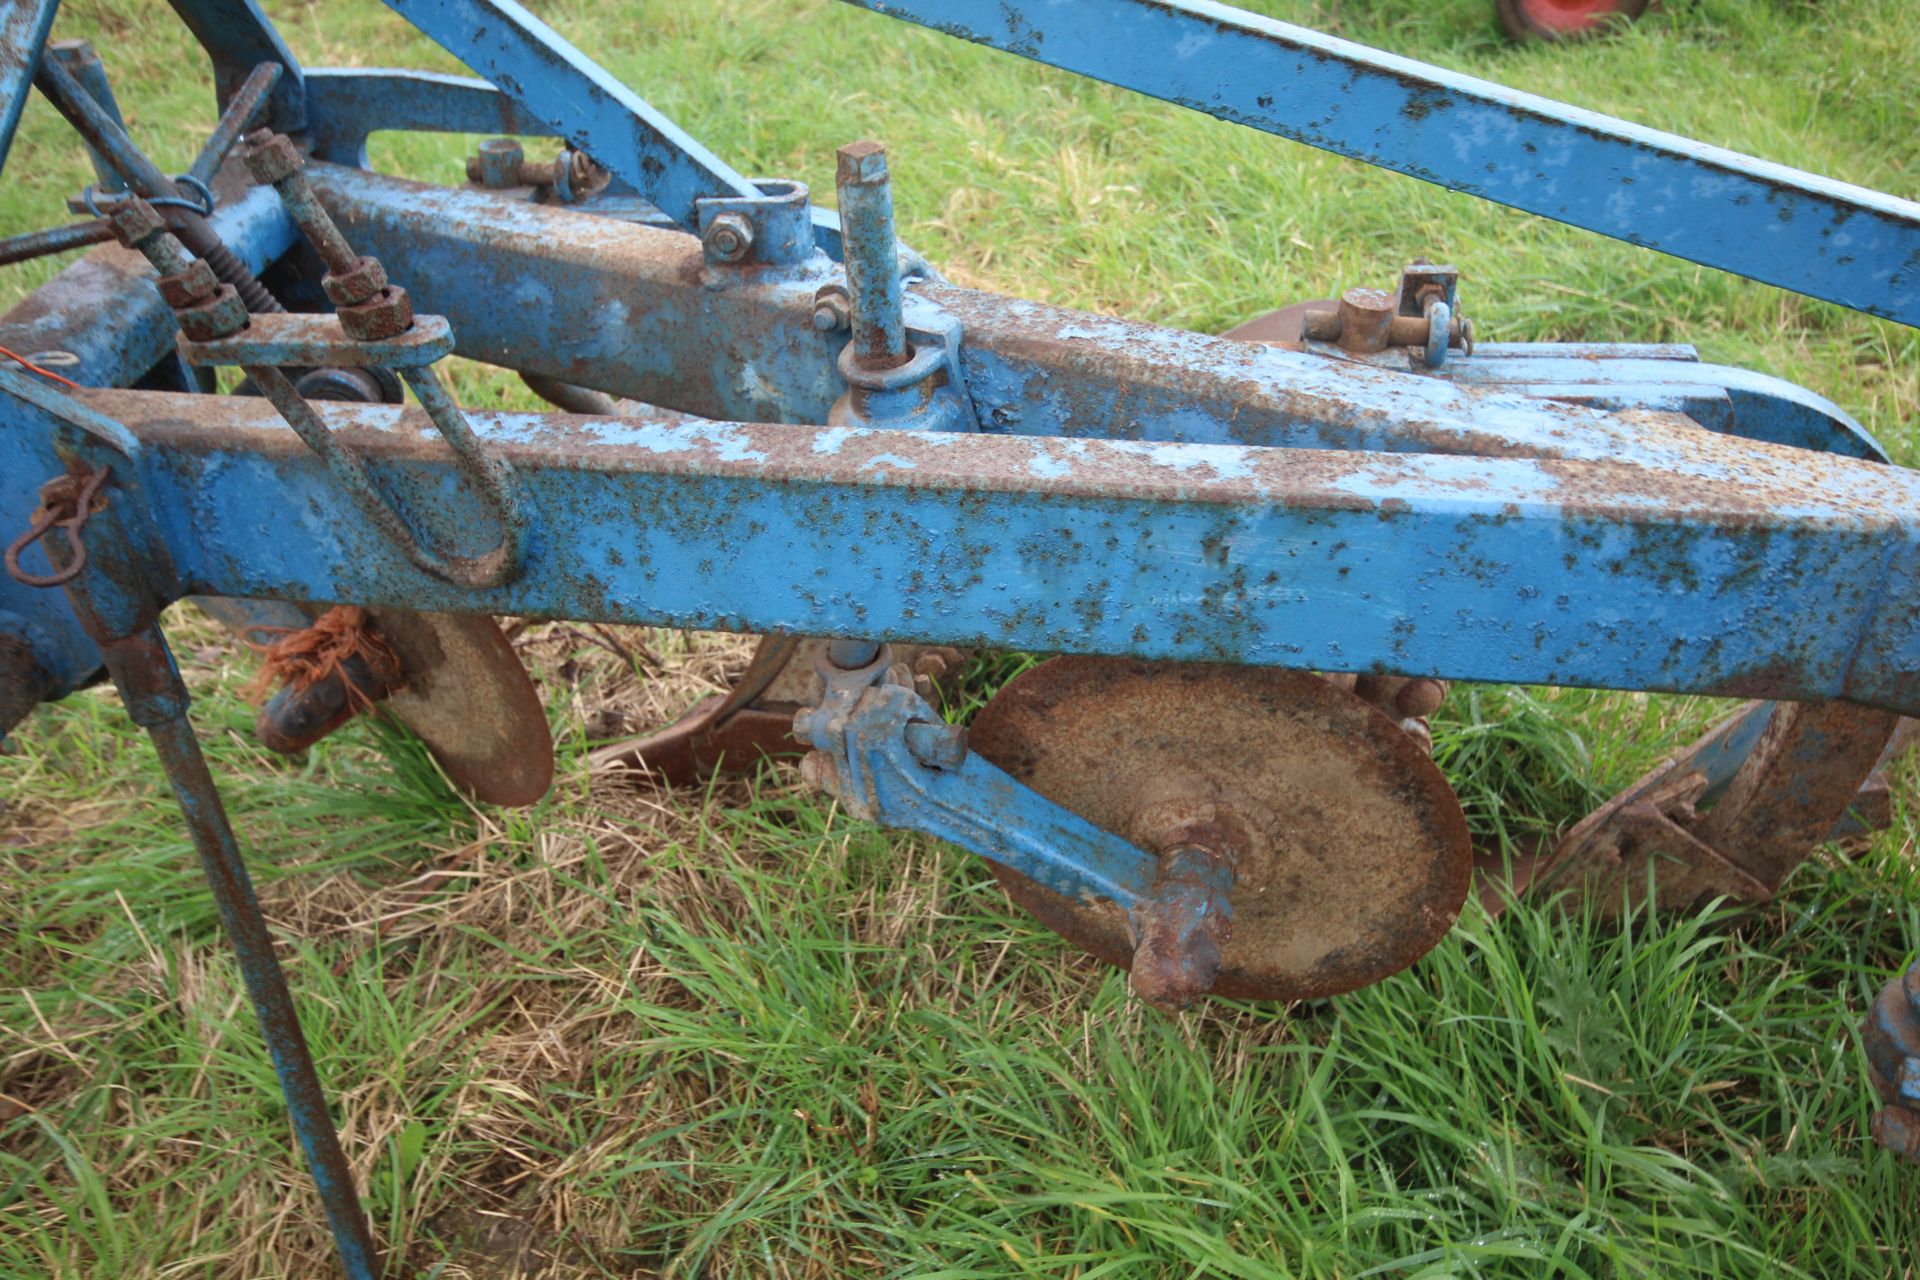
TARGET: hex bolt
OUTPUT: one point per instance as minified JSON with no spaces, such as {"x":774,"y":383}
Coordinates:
{"x":496,"y":164}
{"x":501,"y":163}
{"x":272,"y":159}
{"x":729,"y":237}
{"x":872,"y":255}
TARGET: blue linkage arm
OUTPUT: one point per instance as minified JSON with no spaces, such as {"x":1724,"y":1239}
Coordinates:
{"x":1813,"y":235}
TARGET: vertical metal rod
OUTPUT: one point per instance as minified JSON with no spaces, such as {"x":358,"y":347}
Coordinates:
{"x":81,"y":62}
{"x":872,"y":255}
{"x":149,"y":682}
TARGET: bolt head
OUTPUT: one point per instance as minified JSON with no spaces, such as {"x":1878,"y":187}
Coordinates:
{"x":497,"y":163}
{"x":135,"y":222}
{"x":729,"y":237}
{"x":830,"y":313}
{"x":860,"y":163}
{"x":220,"y":316}
{"x":271,"y":158}
{"x":185,"y":288}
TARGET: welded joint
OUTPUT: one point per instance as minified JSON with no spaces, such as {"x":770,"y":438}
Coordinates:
{"x":927,"y":392}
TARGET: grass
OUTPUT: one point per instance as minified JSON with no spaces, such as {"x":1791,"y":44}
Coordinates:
{"x":643,"y":1033}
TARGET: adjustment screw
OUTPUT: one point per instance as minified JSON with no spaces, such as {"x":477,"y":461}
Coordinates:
{"x":729,"y":237}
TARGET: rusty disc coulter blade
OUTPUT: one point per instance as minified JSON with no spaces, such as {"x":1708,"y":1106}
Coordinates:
{"x":1352,"y":855}
{"x":472,"y":703}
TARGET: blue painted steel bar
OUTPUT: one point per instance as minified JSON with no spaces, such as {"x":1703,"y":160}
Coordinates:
{"x":23,"y":33}
{"x":238,"y":38}
{"x":1763,"y":407}
{"x":1751,"y":570}
{"x":1803,"y":232}
{"x":226,"y":874}
{"x":114,"y":600}
{"x":39,"y":244}
{"x":239,"y":116}
{"x":580,"y":102}
{"x":552,"y":291}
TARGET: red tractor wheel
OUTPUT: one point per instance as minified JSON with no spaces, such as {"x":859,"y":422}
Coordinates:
{"x":1564,"y":19}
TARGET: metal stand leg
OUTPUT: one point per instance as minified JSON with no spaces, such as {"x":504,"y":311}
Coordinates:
{"x":156,"y":698}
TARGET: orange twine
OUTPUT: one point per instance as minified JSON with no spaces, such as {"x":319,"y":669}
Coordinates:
{"x":45,"y":373}
{"x":305,"y":657}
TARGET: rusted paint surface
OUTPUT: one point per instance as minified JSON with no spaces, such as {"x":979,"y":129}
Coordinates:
{"x":121,"y":618}
{"x":1732,"y":815}
{"x":1741,"y":569}
{"x":1796,"y":785}
{"x":552,"y":291}
{"x":1350,"y":855}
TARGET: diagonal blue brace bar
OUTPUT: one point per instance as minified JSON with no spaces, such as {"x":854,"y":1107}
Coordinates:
{"x":579,"y":101}
{"x":1813,"y":235}
{"x":23,"y":32}
{"x":238,"y":38}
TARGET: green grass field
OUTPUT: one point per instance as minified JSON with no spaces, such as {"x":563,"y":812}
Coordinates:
{"x":634,"y":1032}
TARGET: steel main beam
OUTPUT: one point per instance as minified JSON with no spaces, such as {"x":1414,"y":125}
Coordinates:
{"x":1798,"y":230}
{"x":635,"y":311}
{"x":1763,"y":571}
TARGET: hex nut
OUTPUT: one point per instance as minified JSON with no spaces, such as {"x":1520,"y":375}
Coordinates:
{"x":386,"y":314}
{"x":135,"y":222}
{"x":271,"y":156}
{"x":220,"y":316}
{"x":729,"y":237}
{"x":831,"y":309}
{"x":349,"y":288}
{"x":185,"y":288}
{"x":497,"y":164}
